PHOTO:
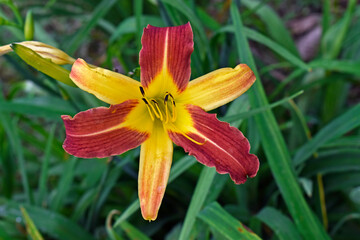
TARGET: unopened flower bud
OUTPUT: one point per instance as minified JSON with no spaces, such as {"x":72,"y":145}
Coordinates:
{"x":49,"y":52}
{"x":29,"y":26}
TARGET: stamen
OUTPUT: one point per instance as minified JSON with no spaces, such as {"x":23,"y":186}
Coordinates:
{"x":142,"y":91}
{"x":166,"y":108}
{"x":166,"y":97}
{"x":173,"y":108}
{"x":158,"y":113}
{"x":173,"y":118}
{"x":193,"y":140}
{"x":187,"y":136}
{"x":148,"y":108}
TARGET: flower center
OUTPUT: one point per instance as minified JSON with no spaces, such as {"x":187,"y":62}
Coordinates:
{"x":163,"y":108}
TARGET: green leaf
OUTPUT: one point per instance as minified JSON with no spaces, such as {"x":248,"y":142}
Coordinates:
{"x":132,"y":232}
{"x":339,"y":126}
{"x":341,"y":66}
{"x":110,"y":231}
{"x":276,"y":47}
{"x":82,"y":34}
{"x":64,"y":184}
{"x":274,"y":145}
{"x":283,"y":227}
{"x":29,"y":27}
{"x":43,"y":65}
{"x":275,"y":26}
{"x":198,"y":198}
{"x":44,"y":107}
{"x":51,"y":223}
{"x":30,"y":226}
{"x":128,"y":25}
{"x":333,"y":40}
{"x":12,"y":132}
{"x":45,"y":167}
{"x":253,"y":112}
{"x":341,"y":181}
{"x":340,"y":160}
{"x":225,"y":224}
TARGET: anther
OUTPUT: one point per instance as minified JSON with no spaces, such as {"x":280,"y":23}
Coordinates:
{"x":148,"y":108}
{"x":142,"y":91}
{"x":145,"y":101}
{"x":158,"y":112}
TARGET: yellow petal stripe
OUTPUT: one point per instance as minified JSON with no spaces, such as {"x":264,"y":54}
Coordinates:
{"x":155,"y":162}
{"x":108,"y":86}
{"x":218,"y":87}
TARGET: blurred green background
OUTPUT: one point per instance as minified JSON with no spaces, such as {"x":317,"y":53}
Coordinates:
{"x":302,"y":118}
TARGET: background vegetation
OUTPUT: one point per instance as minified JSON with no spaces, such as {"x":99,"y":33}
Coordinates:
{"x":301,"y":117}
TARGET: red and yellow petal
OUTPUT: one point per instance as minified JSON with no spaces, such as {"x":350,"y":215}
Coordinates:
{"x":218,"y":87}
{"x":108,"y":86}
{"x":165,"y":59}
{"x":215,"y":144}
{"x":102,"y":132}
{"x":155,"y":162}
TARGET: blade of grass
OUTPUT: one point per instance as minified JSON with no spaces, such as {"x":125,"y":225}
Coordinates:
{"x":101,"y":9}
{"x":276,"y":47}
{"x":339,"y":126}
{"x":256,"y":111}
{"x":283,"y":227}
{"x":30,"y":226}
{"x":274,"y":145}
{"x":198,"y":198}
{"x":225,"y":224}
{"x":295,"y":74}
{"x":53,"y":224}
{"x":42,"y":109}
{"x":275,"y":26}
{"x":258,"y":37}
{"x":338,"y":37}
{"x":132,"y":232}
{"x":326,"y":17}
{"x":109,"y":229}
{"x":11,"y":130}
{"x":64,"y":184}
{"x":45,"y":167}
{"x":341,"y":66}
{"x":341,"y":181}
{"x":129,"y":25}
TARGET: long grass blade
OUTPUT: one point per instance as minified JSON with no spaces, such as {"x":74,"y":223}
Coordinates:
{"x":225,"y":224}
{"x":198,"y":198}
{"x":101,"y":9}
{"x":48,"y":222}
{"x":45,"y":167}
{"x":283,"y":227}
{"x":341,"y":125}
{"x":30,"y":226}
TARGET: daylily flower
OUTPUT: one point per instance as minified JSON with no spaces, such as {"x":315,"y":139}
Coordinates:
{"x":164,"y":108}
